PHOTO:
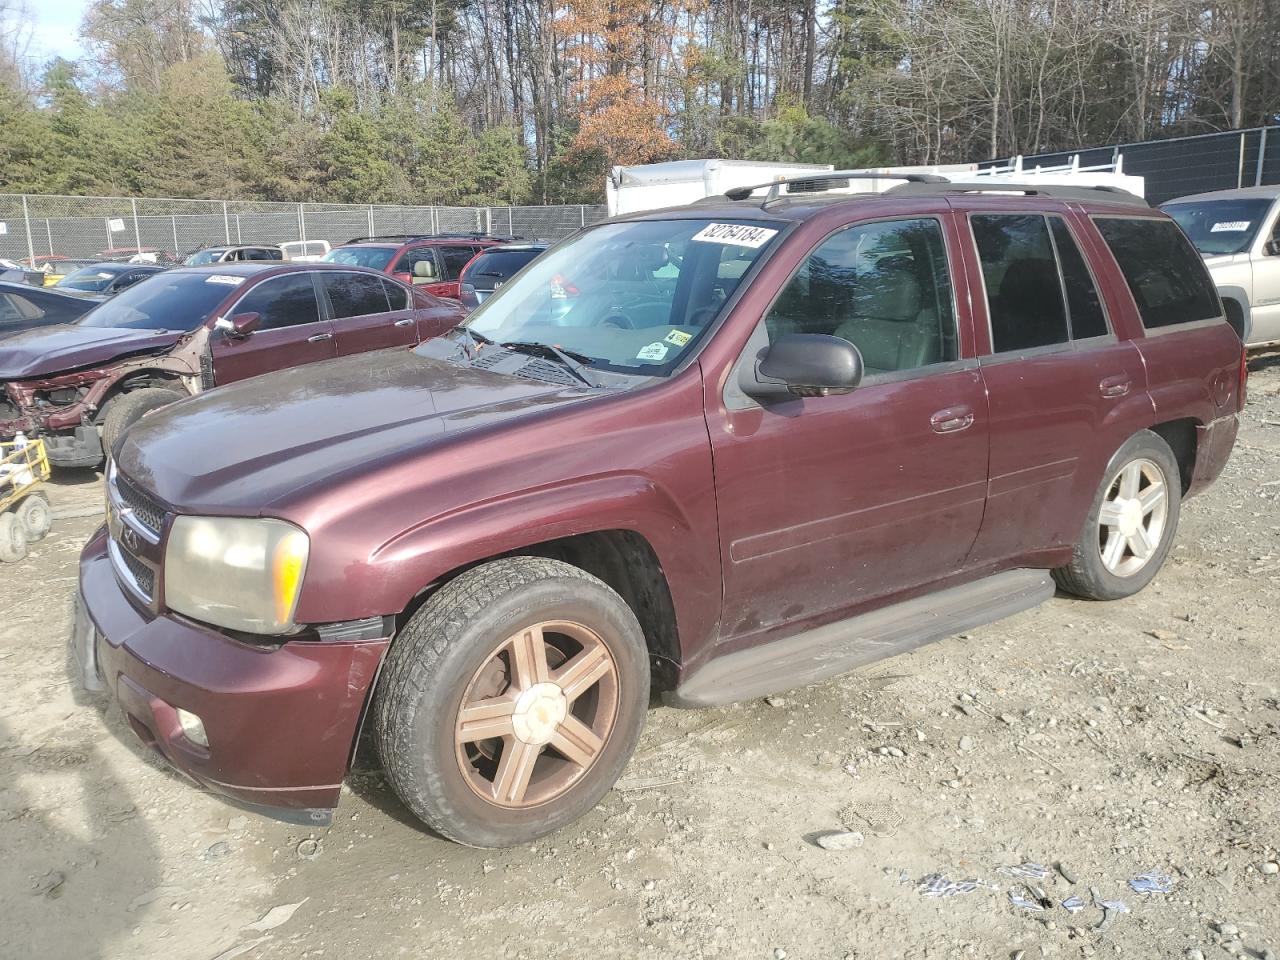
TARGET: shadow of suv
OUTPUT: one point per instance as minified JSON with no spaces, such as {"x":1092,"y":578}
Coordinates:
{"x":767,"y":440}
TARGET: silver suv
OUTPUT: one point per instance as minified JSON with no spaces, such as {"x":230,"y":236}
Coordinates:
{"x":1238,"y":234}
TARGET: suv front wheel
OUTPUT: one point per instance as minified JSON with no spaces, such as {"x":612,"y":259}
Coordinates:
{"x":1130,"y":528}
{"x":511,"y":701}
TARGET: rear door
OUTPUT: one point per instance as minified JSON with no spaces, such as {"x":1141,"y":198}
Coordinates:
{"x":291,"y":330}
{"x":363,"y":316}
{"x":453,"y":258}
{"x":1065,"y":386}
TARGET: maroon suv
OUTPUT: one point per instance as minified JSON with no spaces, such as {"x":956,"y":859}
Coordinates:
{"x":432,"y":262}
{"x":184,"y":331}
{"x":768,"y":440}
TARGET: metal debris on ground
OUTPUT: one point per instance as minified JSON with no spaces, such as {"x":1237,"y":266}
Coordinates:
{"x":1151,"y":883}
{"x":842,"y":840}
{"x":1073,"y":904}
{"x":882,"y":818}
{"x":1024,"y":903}
{"x":1025,"y":871}
{"x":936,"y":885}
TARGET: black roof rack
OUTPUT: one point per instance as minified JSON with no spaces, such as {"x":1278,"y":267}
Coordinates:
{"x":410,"y":237}
{"x":1057,"y":191}
{"x":828,"y":179}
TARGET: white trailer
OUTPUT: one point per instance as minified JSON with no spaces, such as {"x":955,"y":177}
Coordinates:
{"x":655,"y":185}
{"x":651,"y":186}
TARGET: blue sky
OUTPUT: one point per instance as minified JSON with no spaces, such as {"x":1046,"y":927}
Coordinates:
{"x":55,"y":29}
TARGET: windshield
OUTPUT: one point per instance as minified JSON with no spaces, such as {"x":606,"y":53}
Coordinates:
{"x":167,"y":301}
{"x":88,"y":278}
{"x":201,"y":257}
{"x":360,"y":256}
{"x":1220,"y":227}
{"x":633,"y":297}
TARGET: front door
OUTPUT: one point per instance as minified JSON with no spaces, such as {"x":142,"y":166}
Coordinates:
{"x":1266,"y":283}
{"x":290,"y":330}
{"x":830,"y":503}
{"x":362,"y":314}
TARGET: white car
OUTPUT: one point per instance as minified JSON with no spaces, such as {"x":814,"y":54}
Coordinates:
{"x":306,"y":250}
{"x":1238,"y":234}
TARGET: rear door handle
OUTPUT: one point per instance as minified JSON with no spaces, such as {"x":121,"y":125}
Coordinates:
{"x":952,"y":420}
{"x":406,"y":322}
{"x":1117,"y":386}
{"x":320,"y":338}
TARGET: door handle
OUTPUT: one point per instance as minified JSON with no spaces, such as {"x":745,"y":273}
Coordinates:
{"x":1117,"y":386}
{"x":406,"y":322}
{"x":320,"y":338}
{"x":952,"y":420}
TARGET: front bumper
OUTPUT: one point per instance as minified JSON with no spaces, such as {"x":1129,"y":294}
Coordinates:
{"x":281,"y":721}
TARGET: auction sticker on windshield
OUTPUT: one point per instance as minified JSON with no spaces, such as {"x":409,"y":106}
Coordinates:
{"x":735,"y":234}
{"x":1230,"y":226}
{"x":654,"y":351}
{"x":224,"y":278}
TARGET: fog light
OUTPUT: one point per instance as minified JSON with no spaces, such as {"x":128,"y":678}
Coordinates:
{"x":192,"y":728}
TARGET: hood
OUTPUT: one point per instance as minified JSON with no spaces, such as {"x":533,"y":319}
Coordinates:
{"x":64,"y":347}
{"x":242,"y":447}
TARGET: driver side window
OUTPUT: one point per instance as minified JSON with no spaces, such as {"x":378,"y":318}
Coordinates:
{"x":885,"y":287}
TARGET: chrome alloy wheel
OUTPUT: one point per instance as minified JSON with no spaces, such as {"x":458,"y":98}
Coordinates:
{"x":537,"y":714}
{"x":1131,"y":523}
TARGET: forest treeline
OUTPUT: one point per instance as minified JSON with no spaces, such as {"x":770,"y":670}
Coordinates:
{"x":497,"y":101}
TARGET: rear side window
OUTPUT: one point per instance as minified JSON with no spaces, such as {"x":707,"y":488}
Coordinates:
{"x":1084,"y":307}
{"x":1166,"y":276}
{"x":282,"y":302}
{"x":397,"y":296}
{"x":355,"y":294}
{"x":1020,"y":273}
{"x":410,"y":257}
{"x":455,"y":258}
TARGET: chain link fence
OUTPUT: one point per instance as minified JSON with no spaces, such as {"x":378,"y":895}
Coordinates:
{"x":34,"y":226}
{"x":1185,"y":165}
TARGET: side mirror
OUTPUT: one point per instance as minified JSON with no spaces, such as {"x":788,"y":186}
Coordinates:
{"x":424,"y":271}
{"x":804,"y":365}
{"x":240,"y":325}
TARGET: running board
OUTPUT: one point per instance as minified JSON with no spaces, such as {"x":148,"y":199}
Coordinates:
{"x":837,"y":648}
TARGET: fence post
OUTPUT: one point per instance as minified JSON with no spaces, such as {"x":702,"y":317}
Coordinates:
{"x":488,"y":220}
{"x":26,"y":220}
{"x":226,"y":223}
{"x":511,"y":227}
{"x":137,"y":234}
{"x":1240,"y":163}
{"x":48,"y":232}
{"x":582,"y":214}
{"x":372,"y":229}
{"x":106,"y":226}
{"x":176,"y":251}
{"x":302,"y":222}
{"x":1262,"y":157}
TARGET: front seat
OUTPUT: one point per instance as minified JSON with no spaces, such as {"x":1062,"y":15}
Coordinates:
{"x":888,"y":326}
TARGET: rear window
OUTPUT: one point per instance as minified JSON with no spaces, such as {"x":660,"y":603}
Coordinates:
{"x":376,"y":258}
{"x":499,"y":265}
{"x":1166,"y":276}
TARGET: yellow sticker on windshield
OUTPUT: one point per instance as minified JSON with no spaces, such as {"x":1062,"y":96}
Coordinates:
{"x":678,"y":337}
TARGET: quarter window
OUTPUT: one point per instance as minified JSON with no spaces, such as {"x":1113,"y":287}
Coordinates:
{"x":455,"y":258}
{"x":282,"y":302}
{"x":1166,"y":276}
{"x":410,"y":257}
{"x":355,"y":294}
{"x":397,"y":295}
{"x":1024,"y":293}
{"x":885,"y":287}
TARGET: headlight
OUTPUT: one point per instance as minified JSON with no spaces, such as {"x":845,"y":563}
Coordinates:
{"x":236,"y":573}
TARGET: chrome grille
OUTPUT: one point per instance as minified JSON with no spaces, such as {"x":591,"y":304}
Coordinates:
{"x":142,"y":575}
{"x":145,"y":510}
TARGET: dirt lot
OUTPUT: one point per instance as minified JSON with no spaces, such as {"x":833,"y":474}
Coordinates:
{"x":1112,"y":739}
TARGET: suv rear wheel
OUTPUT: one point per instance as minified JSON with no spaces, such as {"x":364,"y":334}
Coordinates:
{"x":512,"y":700}
{"x":1131,"y":525}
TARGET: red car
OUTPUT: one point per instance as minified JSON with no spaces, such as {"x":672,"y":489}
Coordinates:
{"x":768,"y":440}
{"x":433,"y":263}
{"x":187,"y":330}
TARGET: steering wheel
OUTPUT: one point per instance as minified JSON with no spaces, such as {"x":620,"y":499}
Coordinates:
{"x":619,"y":320}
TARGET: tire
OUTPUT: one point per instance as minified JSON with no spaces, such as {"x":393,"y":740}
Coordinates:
{"x":128,"y":408}
{"x":13,"y":538}
{"x":1096,"y":573}
{"x":35,"y":516}
{"x":463,"y":641}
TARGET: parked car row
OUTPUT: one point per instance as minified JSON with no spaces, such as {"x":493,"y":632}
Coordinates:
{"x":709,"y":452}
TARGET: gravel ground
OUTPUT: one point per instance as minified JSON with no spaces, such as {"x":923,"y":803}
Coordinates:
{"x":1098,"y":741}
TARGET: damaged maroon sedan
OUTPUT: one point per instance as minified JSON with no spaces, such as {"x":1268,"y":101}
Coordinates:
{"x":182,"y":332}
{"x":766,"y":441}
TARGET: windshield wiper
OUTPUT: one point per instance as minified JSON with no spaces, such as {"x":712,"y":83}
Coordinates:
{"x":574,"y":362}
{"x":476,"y":340}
